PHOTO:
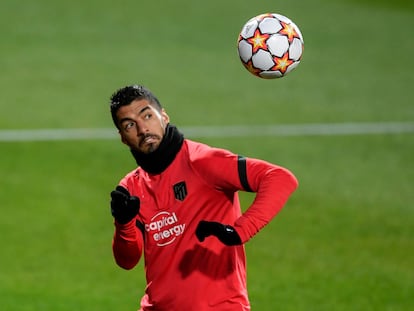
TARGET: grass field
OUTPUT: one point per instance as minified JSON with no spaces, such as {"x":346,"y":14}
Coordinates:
{"x":345,"y":239}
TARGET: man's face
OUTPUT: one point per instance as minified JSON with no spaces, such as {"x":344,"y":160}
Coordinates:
{"x":142,"y":126}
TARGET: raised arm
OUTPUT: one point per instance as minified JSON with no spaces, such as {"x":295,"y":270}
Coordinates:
{"x":127,"y":242}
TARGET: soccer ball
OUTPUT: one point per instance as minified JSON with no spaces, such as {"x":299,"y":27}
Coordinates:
{"x":270,"y":45}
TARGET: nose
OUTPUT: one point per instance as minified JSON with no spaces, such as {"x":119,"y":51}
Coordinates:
{"x":141,"y":128}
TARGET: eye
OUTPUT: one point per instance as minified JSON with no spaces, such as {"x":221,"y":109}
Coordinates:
{"x":128,"y":125}
{"x":148,"y":116}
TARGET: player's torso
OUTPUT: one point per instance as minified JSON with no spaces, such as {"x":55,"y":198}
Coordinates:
{"x":172,"y":204}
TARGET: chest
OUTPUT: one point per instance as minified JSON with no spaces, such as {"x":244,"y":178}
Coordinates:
{"x":172,"y":203}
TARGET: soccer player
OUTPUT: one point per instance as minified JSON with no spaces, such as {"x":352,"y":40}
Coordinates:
{"x":180,"y":208}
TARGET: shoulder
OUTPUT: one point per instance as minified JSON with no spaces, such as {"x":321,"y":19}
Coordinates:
{"x":198,"y":151}
{"x":130,"y":178}
{"x":207,"y":160}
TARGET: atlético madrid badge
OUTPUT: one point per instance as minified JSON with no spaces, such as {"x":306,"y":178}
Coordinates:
{"x":180,"y":190}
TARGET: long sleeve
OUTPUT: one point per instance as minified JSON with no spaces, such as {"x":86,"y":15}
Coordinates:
{"x":127,"y":245}
{"x":273,"y":185}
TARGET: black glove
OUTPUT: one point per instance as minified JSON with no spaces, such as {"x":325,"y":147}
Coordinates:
{"x":225,"y":233}
{"x":124,"y":207}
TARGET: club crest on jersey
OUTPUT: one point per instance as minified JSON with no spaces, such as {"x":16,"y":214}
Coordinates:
{"x":180,"y":191}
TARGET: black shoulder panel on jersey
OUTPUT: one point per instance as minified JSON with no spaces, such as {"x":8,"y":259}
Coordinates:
{"x":140,"y":226}
{"x":241,"y":164}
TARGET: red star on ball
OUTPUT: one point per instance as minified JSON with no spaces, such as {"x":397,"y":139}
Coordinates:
{"x":263,"y":16}
{"x":289,"y":31}
{"x":258,"y":41}
{"x":249,"y":66}
{"x":282,"y":63}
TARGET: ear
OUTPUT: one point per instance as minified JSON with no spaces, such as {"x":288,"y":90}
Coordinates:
{"x":165,"y":116}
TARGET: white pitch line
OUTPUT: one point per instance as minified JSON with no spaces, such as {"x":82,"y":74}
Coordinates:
{"x":310,"y":129}
{"x":57,"y":134}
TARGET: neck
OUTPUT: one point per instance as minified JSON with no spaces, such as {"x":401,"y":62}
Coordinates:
{"x":158,"y":160}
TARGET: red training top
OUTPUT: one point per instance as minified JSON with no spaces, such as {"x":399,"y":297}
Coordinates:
{"x":200,"y":184}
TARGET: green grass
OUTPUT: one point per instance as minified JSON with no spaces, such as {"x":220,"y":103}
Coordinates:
{"x":344,"y":240}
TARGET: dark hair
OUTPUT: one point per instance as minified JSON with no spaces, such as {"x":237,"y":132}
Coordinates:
{"x":126,"y":95}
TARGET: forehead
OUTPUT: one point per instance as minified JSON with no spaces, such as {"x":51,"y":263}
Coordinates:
{"x":135,"y":108}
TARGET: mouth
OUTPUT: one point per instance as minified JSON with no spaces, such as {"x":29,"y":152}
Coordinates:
{"x":148,"y":140}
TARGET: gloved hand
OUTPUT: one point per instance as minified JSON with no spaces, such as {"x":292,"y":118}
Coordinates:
{"x":225,"y":233}
{"x":124,"y":207}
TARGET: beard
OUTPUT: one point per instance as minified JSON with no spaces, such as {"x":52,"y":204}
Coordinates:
{"x":160,"y":153}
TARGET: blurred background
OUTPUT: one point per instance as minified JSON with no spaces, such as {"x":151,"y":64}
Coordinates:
{"x":345,"y":239}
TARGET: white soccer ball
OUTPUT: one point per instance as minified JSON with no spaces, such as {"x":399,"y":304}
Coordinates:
{"x":270,"y":45}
